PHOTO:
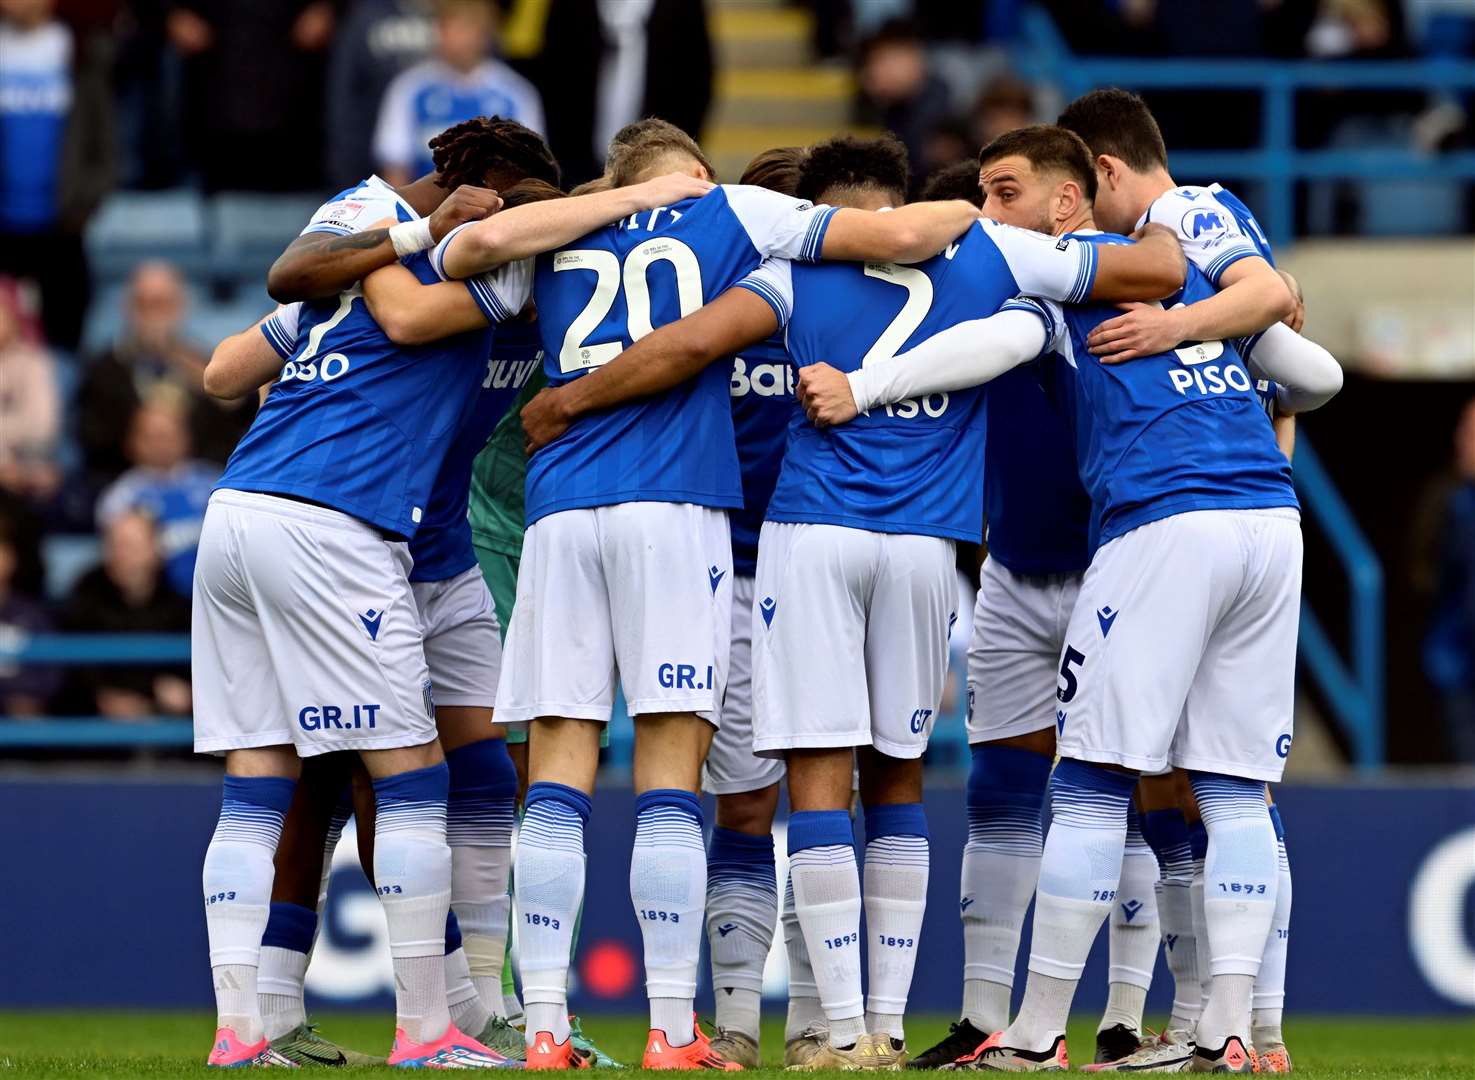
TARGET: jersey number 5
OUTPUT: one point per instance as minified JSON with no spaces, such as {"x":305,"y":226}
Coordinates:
{"x":609,"y":277}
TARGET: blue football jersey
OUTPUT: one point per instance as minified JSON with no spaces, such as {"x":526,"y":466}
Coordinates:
{"x":762,"y":390}
{"x":915,"y":466}
{"x":356,"y":422}
{"x":611,"y":288}
{"x":442,"y":547}
{"x":1038,"y":513}
{"x":1166,"y":434}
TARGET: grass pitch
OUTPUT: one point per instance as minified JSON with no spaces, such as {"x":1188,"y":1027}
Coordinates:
{"x":45,"y":1045}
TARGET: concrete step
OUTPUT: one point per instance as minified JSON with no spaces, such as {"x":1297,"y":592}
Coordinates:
{"x":760,"y":36}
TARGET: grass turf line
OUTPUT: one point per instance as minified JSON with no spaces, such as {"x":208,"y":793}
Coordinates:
{"x":47,"y":1045}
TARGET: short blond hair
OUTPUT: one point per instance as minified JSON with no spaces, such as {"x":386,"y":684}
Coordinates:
{"x":637,"y":147}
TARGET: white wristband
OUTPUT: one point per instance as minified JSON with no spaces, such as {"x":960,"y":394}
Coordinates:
{"x":409,"y":237}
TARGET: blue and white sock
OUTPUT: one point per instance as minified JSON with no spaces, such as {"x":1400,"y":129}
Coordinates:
{"x":827,"y":901}
{"x":336,"y":824}
{"x":668,"y":887}
{"x":285,"y":947}
{"x":550,"y":890}
{"x":804,"y":1012}
{"x":895,"y":891}
{"x":479,"y":821}
{"x":742,"y":910}
{"x":1166,"y":833}
{"x":237,"y":884}
{"x":412,"y":872}
{"x":468,"y":1012}
{"x":1079,"y":874}
{"x":1134,"y":932}
{"x":1198,"y":840}
{"x":1241,"y":880}
{"x":1001,"y":867}
{"x":1270,"y":984}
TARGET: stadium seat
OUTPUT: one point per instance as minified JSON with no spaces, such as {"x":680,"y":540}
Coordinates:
{"x":248,"y":231}
{"x":133,"y":226}
{"x":68,"y":556}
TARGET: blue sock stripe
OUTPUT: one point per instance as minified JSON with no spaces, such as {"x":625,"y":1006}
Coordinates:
{"x":270,"y":792}
{"x":453,"y":932}
{"x":431,"y":784}
{"x":668,"y":826}
{"x":289,"y":926}
{"x":900,"y":850}
{"x":1006,"y":829}
{"x":735,"y":857}
{"x":570,"y":797}
{"x":484,"y":765}
{"x":1166,"y":832}
{"x":252,"y":809}
{"x":1280,"y":828}
{"x":998,"y":769}
{"x":1198,"y":840}
{"x":336,"y":824}
{"x":824,"y":855}
{"x":475,"y":821}
{"x":1089,"y":797}
{"x":819,"y":828}
{"x":1227,"y":798}
{"x":1283,"y":861}
{"x":1136,"y":842}
{"x":553,"y":820}
{"x":896,"y":819}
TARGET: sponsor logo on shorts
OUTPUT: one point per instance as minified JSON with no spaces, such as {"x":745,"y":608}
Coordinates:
{"x":715,"y":576}
{"x":337,"y":718}
{"x":765,"y":608}
{"x":683,"y":677}
{"x":965,"y":903}
{"x":1131,"y":908}
{"x":1283,"y":746}
{"x":919,"y":720}
{"x":371,"y":620}
{"x":1170,"y":940}
{"x":972,"y":695}
{"x":1106,"y":616}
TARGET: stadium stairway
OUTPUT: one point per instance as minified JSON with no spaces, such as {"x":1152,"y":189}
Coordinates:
{"x":770,"y":90}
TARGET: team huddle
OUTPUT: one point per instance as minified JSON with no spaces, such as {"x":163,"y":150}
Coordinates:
{"x":715,"y":445}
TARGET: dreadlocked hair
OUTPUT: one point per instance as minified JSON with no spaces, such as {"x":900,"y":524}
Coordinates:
{"x":473,"y":150}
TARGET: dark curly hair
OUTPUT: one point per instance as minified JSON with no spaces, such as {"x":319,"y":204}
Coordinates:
{"x":1118,"y":123}
{"x":848,"y":162}
{"x":491,"y":151}
{"x":956,"y":181}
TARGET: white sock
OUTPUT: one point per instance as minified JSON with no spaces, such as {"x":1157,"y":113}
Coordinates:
{"x":480,"y":816}
{"x":412,"y":872}
{"x":279,"y":984}
{"x":1270,"y":984}
{"x":468,"y":1011}
{"x":550,"y":889}
{"x":1079,"y":874}
{"x":1240,"y":885}
{"x":1200,"y":934}
{"x":1134,"y":933}
{"x":1167,"y":832}
{"x":668,"y":886}
{"x":742,"y":908}
{"x":804,"y":1011}
{"x":237,"y":881}
{"x":827,"y":900}
{"x":895,"y":891}
{"x":986,"y":1004}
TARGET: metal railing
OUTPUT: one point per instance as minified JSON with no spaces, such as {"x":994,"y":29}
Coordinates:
{"x":1278,"y":164}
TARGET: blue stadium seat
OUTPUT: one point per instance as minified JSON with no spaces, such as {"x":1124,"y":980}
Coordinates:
{"x":132,"y":226}
{"x":248,"y":231}
{"x":68,"y":556}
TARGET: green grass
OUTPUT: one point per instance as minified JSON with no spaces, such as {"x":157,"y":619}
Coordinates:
{"x":125,"y":1045}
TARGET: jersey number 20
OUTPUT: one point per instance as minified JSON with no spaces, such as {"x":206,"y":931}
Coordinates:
{"x":610,"y":277}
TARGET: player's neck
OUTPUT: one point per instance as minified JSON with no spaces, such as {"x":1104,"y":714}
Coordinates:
{"x":424,"y":195}
{"x":1149,"y":187}
{"x":1082,"y":219}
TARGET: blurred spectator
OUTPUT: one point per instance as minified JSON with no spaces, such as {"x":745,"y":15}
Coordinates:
{"x":1449,"y":649}
{"x":900,"y":92}
{"x":1005,"y":103}
{"x":376,"y":40}
{"x":24,"y":689}
{"x":151,"y":354}
{"x":149,"y":98}
{"x":254,"y":90}
{"x":461,"y":81}
{"x":56,"y":155}
{"x":606,"y":63}
{"x":127,"y":594}
{"x":30,"y":410}
{"x":166,"y":484}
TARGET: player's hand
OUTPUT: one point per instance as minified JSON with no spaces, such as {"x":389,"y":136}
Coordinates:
{"x":1297,"y":318}
{"x":466,"y":203}
{"x":1153,"y":233}
{"x":670,"y":189}
{"x":543,"y":419}
{"x":1145,"y":330}
{"x":825,"y":395}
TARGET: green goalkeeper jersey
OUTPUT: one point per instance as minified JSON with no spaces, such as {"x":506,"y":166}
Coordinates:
{"x":495,"y":507}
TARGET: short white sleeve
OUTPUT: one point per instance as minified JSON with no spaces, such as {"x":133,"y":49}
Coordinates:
{"x":280,"y":328}
{"x":1210,"y":234}
{"x":774,"y":282}
{"x":777,"y":224}
{"x":354,"y":211}
{"x":1061,"y":269}
{"x":503,"y":292}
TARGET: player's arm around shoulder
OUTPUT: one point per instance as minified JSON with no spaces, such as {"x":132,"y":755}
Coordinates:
{"x":907,"y":234}
{"x":251,"y":359}
{"x":410,"y":313}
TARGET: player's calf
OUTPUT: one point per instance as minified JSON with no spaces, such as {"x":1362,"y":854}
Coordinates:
{"x":742,"y":909}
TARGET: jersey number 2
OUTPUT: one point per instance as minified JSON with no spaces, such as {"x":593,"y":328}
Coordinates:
{"x":609,"y":277}
{"x":918,"y":303}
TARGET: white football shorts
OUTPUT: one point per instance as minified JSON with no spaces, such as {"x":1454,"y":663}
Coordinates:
{"x":1182,"y":646}
{"x":1018,"y":633}
{"x":850,"y":638}
{"x":641,"y":591}
{"x":732,"y":768}
{"x":304,"y":632}
{"x":463,"y":641}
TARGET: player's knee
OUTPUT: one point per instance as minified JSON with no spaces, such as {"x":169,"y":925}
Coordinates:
{"x":459,"y":725}
{"x":885,"y":780}
{"x":749,"y":812}
{"x":1002,"y":771}
{"x":820,"y":779}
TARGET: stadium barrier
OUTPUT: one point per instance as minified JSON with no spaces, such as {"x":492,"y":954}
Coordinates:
{"x":113,"y":890}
